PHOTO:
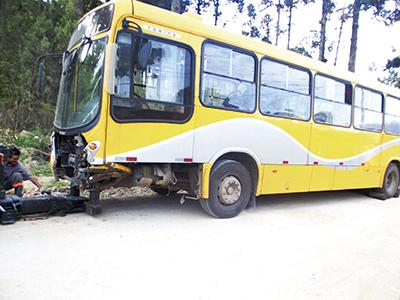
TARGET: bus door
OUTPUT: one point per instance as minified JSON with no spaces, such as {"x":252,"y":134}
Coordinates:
{"x":331,"y":138}
{"x":363,"y":167}
{"x":285,"y":100}
{"x":151,"y":111}
{"x":336,"y":151}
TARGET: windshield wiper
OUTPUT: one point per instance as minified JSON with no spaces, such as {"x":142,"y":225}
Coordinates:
{"x":85,"y":40}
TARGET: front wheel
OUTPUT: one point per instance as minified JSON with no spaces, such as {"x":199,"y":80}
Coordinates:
{"x":230,"y":190}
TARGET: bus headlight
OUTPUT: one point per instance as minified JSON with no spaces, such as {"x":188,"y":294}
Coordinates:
{"x":91,"y":150}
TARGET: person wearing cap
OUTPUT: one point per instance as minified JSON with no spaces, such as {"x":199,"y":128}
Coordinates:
{"x":15,"y":174}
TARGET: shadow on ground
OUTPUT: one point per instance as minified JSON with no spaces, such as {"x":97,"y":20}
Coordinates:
{"x":164,"y":204}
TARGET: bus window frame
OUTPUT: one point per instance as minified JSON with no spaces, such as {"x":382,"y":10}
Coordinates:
{"x":191,"y":105}
{"x":384,"y":113}
{"x":237,"y":49}
{"x":352,"y":99}
{"x":97,"y":33}
{"x":294,"y":66}
{"x":382,"y":108}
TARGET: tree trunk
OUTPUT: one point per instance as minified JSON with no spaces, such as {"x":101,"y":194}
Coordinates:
{"x":354,"y":35}
{"x":278,"y":22}
{"x":342,"y":20}
{"x":216,"y":12}
{"x":289,"y":26}
{"x":322,"y":39}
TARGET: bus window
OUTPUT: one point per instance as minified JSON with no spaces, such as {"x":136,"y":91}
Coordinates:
{"x":157,"y":86}
{"x":228,"y":79}
{"x":368,"y":110}
{"x":332,"y":103}
{"x":392,"y":115}
{"x":285,"y":91}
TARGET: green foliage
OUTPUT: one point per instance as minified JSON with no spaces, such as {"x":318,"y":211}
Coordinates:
{"x":301,"y":50}
{"x":42,"y":169}
{"x":29,"y":29}
{"x":35,"y":149}
{"x":57,"y":184}
{"x":393,"y":66}
{"x":36,"y":140}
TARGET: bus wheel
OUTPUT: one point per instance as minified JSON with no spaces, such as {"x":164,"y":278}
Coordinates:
{"x":391,"y":183}
{"x":230,"y":190}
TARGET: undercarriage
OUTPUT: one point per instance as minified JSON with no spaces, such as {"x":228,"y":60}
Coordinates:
{"x":71,"y":162}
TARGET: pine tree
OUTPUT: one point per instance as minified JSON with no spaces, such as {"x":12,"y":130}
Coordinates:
{"x":357,"y":7}
{"x":327,"y":8}
{"x":290,"y":6}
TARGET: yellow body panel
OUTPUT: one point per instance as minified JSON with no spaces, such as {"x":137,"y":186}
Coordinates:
{"x":285,"y":179}
{"x":322,"y":178}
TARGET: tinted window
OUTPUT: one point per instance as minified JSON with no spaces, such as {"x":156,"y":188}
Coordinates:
{"x":285,"y":90}
{"x":392,"y":115}
{"x":156,"y":83}
{"x":228,"y":79}
{"x":332,"y":103}
{"x":368,"y":110}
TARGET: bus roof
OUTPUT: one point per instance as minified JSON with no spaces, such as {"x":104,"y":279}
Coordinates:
{"x":187,"y":23}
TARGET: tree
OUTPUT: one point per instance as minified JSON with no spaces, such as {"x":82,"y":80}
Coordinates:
{"x":201,"y":5}
{"x":393,"y":66}
{"x":279,"y":6}
{"x":29,"y":29}
{"x":327,"y":9}
{"x":357,"y":7}
{"x":344,"y":16}
{"x":290,"y":6}
{"x":217,"y":12}
{"x":256,"y":26}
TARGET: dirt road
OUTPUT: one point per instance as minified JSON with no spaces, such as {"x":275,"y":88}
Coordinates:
{"x":310,"y":246}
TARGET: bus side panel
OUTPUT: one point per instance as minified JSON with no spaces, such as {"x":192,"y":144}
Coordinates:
{"x":279,"y":179}
{"x":322,"y":178}
{"x":367,"y":173}
{"x":353,"y":156}
{"x":357,"y":177}
{"x":288,"y":172}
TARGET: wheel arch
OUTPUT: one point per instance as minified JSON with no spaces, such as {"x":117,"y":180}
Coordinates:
{"x":248,"y":159}
{"x":394,"y":160}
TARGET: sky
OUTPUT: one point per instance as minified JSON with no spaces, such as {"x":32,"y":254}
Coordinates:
{"x":376,"y":43}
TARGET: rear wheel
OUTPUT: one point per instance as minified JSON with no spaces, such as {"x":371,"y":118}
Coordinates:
{"x":230,"y":190}
{"x":390,"y":184}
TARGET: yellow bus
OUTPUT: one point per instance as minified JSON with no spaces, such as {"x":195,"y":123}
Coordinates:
{"x":153,"y":98}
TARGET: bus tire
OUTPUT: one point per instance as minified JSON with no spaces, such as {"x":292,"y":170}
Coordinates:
{"x":391,"y":183}
{"x":230,"y":190}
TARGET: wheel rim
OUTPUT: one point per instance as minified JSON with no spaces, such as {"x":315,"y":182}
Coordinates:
{"x":391,"y":182}
{"x":229,"y":190}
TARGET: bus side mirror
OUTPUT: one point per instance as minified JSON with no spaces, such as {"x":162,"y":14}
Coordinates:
{"x":40,"y":66}
{"x":111,"y":63}
{"x":144,"y":56}
{"x":39,"y":82}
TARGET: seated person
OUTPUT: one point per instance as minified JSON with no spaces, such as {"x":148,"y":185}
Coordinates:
{"x":15,"y":174}
{"x":240,"y":98}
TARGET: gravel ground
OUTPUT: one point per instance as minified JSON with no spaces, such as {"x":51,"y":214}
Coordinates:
{"x":306,"y":246}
